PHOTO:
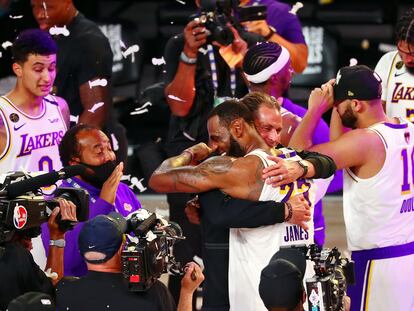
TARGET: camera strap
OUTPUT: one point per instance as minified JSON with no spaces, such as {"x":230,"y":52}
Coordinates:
{"x":214,"y":77}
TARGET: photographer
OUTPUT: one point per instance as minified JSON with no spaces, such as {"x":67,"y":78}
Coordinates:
{"x":101,"y":242}
{"x":198,"y":77}
{"x":89,"y":146}
{"x":281,"y":282}
{"x":19,"y":273}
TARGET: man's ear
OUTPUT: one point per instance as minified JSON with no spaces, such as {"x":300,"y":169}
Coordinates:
{"x":356,"y":105}
{"x":273,"y":79}
{"x":17,"y":69}
{"x":237,"y":127}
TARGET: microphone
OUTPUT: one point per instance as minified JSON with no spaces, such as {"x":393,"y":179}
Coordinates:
{"x":21,"y":187}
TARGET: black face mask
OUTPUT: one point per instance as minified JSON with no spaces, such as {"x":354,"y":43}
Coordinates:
{"x":96,"y":175}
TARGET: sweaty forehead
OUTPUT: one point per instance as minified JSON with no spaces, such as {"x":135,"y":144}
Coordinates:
{"x":269,"y":115}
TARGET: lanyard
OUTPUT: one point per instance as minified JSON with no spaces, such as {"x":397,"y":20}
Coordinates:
{"x":213,"y":68}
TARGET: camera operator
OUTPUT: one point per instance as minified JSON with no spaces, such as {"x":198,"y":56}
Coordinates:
{"x":197,"y":78}
{"x":281,"y":282}
{"x":101,"y":242}
{"x":87,"y":145}
{"x":19,"y":273}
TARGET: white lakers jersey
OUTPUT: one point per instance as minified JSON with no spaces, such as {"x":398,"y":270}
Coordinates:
{"x":397,"y":86}
{"x":32,"y":141}
{"x":379,"y":210}
{"x":250,"y":250}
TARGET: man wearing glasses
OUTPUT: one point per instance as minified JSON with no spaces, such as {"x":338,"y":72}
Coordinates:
{"x":396,"y":70}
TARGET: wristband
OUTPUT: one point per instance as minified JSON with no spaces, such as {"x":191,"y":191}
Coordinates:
{"x":290,"y":211}
{"x":187,"y":60}
{"x":58,"y":243}
{"x":305,"y":168}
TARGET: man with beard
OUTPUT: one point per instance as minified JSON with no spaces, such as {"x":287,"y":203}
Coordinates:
{"x":378,"y":159}
{"x":87,"y":145}
{"x":231,"y":130}
{"x":219,"y":212}
{"x":396,"y":70}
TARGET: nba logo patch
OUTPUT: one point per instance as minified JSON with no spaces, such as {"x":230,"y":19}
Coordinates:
{"x":14,"y":117}
{"x":19,"y":216}
{"x":407,"y":137}
{"x":127,"y":207}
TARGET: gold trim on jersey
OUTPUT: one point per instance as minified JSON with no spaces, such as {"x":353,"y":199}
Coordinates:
{"x":22,"y":112}
{"x":8,"y":144}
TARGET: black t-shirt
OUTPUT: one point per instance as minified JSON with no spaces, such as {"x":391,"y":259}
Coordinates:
{"x":19,"y":274}
{"x":107,"y":291}
{"x":219,"y":213}
{"x":187,"y":131}
{"x":82,"y":56}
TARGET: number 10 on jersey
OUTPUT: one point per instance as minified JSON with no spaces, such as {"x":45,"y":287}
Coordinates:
{"x":406,"y":186}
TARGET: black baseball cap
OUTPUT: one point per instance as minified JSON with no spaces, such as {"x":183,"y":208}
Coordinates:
{"x":357,"y":82}
{"x":102,"y":234}
{"x":33,"y":301}
{"x":281,"y":281}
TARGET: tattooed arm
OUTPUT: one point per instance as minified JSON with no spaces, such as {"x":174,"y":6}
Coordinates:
{"x":240,"y":178}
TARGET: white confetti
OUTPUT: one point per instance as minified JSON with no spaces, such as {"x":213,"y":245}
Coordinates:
{"x":131,"y":51}
{"x":96,"y":107}
{"x":202,"y":50}
{"x":176,"y":98}
{"x":353,"y":62}
{"x":115,"y":143}
{"x":97,"y":82}
{"x":1,"y":54}
{"x":15,"y":16}
{"x":296,"y":7}
{"x":158,"y":61}
{"x":147,"y":104}
{"x":6,"y":44}
{"x":188,"y":136}
{"x":74,"y":119}
{"x":50,"y":274}
{"x":385,"y":48}
{"x":142,"y":109}
{"x":55,"y":30}
{"x":126,"y":177}
{"x":172,"y":22}
{"x":180,"y":1}
{"x":138,"y":112}
{"x":138,"y":184}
